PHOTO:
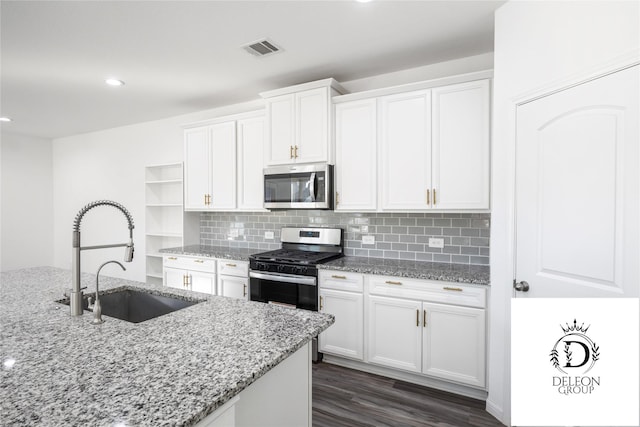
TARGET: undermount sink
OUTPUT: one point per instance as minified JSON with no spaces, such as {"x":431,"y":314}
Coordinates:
{"x":136,"y":305}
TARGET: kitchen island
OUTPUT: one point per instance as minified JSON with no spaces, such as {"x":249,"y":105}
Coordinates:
{"x":177,"y":369}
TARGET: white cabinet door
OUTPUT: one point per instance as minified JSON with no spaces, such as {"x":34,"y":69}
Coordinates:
{"x":578,"y":164}
{"x":196,"y":173}
{"x":312,"y":123}
{"x":454,"y":343}
{"x":406,"y":150}
{"x":223,"y":166}
{"x":233,"y":287}
{"x":174,"y":278}
{"x":281,"y":129}
{"x":356,"y":156}
{"x":345,"y":337}
{"x":395,"y":333}
{"x":460,"y":156}
{"x":250,"y":163}
{"x":202,"y":282}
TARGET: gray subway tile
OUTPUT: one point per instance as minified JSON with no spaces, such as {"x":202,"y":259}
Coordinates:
{"x":442,"y":257}
{"x":408,"y":238}
{"x":399,"y":246}
{"x":479,"y":260}
{"x":459,"y":259}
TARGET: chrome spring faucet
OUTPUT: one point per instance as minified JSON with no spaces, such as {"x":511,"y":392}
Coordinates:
{"x":75,"y":297}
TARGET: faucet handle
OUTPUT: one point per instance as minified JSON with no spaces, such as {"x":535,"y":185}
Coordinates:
{"x":90,"y":301}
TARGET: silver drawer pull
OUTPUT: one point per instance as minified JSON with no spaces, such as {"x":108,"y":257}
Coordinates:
{"x":390,"y":282}
{"x":231,"y":265}
{"x":334,"y":276}
{"x":446,"y":288}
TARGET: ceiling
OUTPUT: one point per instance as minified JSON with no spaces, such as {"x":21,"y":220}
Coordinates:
{"x":178,"y":57}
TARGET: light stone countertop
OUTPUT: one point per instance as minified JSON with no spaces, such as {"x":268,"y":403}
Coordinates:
{"x":459,"y":273}
{"x":172,"y":370}
{"x":221,"y":252}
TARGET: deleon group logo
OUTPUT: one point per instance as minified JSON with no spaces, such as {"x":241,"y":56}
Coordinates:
{"x":575,"y":354}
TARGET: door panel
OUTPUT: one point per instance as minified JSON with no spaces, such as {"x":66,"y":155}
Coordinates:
{"x":356,"y":155}
{"x":202,"y":282}
{"x":312,"y":121}
{"x":406,"y":150}
{"x":196,"y":175}
{"x":281,"y":125}
{"x":223,"y":165}
{"x":250,"y":163}
{"x":395,"y":333}
{"x":577,"y":187}
{"x":345,"y":337}
{"x":454,"y":343}
{"x":461,"y":146}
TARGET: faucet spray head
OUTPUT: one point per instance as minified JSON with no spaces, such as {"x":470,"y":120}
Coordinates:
{"x":128,"y":252}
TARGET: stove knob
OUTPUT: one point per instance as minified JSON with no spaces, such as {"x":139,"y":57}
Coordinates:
{"x":281,"y":268}
{"x":262,"y":266}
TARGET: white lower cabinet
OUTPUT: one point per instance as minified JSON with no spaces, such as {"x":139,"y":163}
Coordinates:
{"x":428,"y":328}
{"x":341,"y":294}
{"x":395,"y":333}
{"x":345,"y":337}
{"x":233,"y":279}
{"x":453,"y":343}
{"x":190,"y":273}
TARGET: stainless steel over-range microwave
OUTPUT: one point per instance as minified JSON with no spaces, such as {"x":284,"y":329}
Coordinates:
{"x":299,"y":187}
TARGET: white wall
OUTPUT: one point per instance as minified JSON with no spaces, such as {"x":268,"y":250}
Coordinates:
{"x":110,"y":165}
{"x":26,"y":199}
{"x":537,"y":44}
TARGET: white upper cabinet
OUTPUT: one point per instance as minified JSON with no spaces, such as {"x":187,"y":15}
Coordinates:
{"x":223,"y":164}
{"x":196,"y":173}
{"x":210,"y":167}
{"x":434,"y":150}
{"x":250,"y":140}
{"x":281,"y":129}
{"x":356,"y":156}
{"x":460,"y":146}
{"x":298,"y":123}
{"x":405,"y":136}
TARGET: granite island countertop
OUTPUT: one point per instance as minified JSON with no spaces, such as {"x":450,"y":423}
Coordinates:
{"x":460,"y":273}
{"x":221,"y":252}
{"x":172,"y":370}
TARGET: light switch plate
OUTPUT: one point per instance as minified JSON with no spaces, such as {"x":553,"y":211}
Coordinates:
{"x":268,"y":234}
{"x":368,"y":240}
{"x":435,"y":242}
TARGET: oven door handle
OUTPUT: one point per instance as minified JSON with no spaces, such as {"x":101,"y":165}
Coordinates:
{"x":297,"y":280}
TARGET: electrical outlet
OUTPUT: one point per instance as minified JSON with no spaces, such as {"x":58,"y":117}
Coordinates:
{"x":268,"y":234}
{"x":435,"y":242}
{"x":368,"y":240}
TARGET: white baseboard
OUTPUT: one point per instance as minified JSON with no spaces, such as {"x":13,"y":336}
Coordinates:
{"x":496,"y":411}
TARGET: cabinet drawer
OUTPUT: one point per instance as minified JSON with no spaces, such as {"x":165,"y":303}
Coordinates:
{"x":207,"y":265}
{"x":233,"y":268}
{"x":341,"y":280}
{"x":426,"y":290}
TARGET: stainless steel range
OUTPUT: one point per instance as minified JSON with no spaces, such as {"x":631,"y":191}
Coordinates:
{"x":288,"y":276}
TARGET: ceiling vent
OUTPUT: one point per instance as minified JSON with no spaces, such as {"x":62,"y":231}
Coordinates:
{"x":261,"y":48}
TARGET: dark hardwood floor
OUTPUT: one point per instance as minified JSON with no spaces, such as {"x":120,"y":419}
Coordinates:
{"x":348,"y":398}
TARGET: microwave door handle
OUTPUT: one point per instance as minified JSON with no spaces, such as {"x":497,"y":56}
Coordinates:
{"x":312,"y":188}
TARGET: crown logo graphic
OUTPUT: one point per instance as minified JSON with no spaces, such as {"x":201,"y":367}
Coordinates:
{"x":575,"y":327}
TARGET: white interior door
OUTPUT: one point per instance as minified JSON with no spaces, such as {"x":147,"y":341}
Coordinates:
{"x":577,"y":190}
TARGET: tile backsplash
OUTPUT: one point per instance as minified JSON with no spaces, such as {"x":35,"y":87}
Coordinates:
{"x":397,"y":235}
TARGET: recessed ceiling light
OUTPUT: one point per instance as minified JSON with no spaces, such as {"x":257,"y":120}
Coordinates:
{"x":114,"y":82}
{"x":5,"y":119}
